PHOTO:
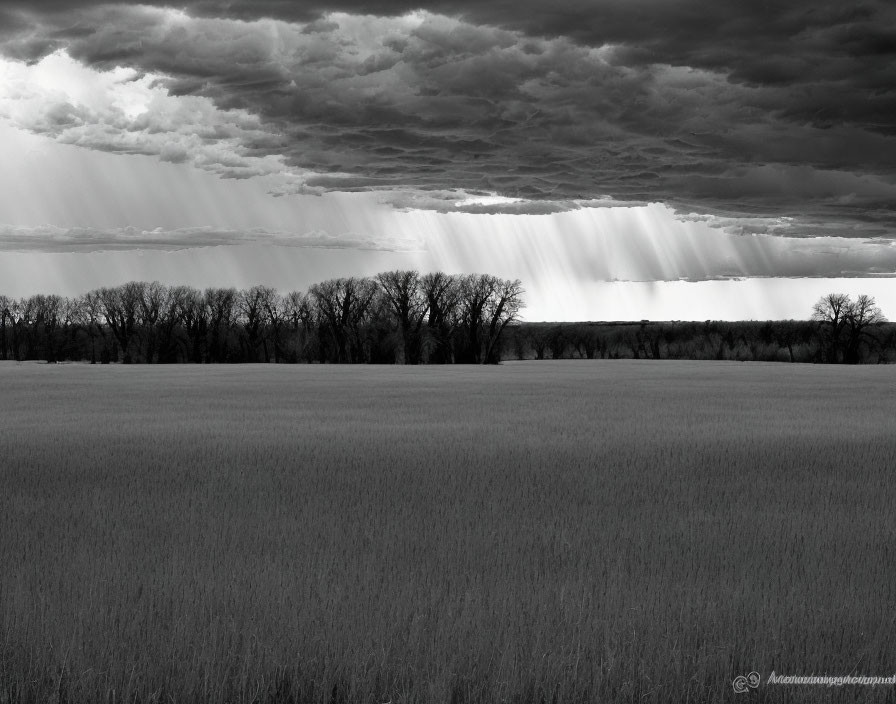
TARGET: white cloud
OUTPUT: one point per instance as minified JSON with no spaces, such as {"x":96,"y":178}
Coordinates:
{"x":122,"y":111}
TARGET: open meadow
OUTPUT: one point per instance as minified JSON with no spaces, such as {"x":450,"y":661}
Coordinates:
{"x":545,"y":532}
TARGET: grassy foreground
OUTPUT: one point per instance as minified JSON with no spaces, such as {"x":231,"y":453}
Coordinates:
{"x":537,"y":532}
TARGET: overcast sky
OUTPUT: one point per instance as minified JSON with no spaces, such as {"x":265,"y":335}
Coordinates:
{"x":624,"y":158}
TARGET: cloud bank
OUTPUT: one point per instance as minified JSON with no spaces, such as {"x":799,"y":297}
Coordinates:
{"x":743,"y":113}
{"x":86,"y":239}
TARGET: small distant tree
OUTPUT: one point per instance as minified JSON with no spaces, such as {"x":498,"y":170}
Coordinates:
{"x":540,"y":341}
{"x":5,"y":303}
{"x":787,"y":336}
{"x":557,"y":341}
{"x":18,"y":317}
{"x":585,"y":341}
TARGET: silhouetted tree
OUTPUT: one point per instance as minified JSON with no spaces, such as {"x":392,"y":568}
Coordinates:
{"x":89,"y":312}
{"x":191,"y":312}
{"x":487,"y":305}
{"x":585,"y":341}
{"x":152,"y":301}
{"x":43,"y":314}
{"x":861,"y":315}
{"x":540,"y":341}
{"x":408,"y":303}
{"x":299,"y":311}
{"x":168,"y":323}
{"x":220,"y":311}
{"x":120,"y":307}
{"x":442,"y":292}
{"x":5,"y":304}
{"x":475,"y":290}
{"x":831,"y":312}
{"x":502,"y":308}
{"x":342,"y":306}
{"x":275,"y":317}
{"x":252,"y":312}
{"x":557,"y":341}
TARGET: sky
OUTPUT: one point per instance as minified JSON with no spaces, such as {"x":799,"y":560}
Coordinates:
{"x":626,"y":159}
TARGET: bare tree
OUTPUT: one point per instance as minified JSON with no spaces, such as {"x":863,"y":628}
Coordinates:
{"x":251,"y":314}
{"x":167,"y":323}
{"x":366,"y":304}
{"x":442,"y":292}
{"x":586,"y":342}
{"x":16,"y":315}
{"x":5,"y":304}
{"x":558,"y":342}
{"x":831,"y":312}
{"x":72,"y":322}
{"x":275,"y":316}
{"x":343,"y":306}
{"x":408,"y":304}
{"x":153,"y":307}
{"x":861,"y":315}
{"x":846,"y":325}
{"x":44,"y":314}
{"x":220,"y":309}
{"x":541,"y":342}
{"x":88,"y":315}
{"x":120,"y":307}
{"x":397,"y":316}
{"x":299,"y":311}
{"x":190,"y":308}
{"x":502,"y":308}
{"x":488,"y":305}
{"x":332,"y":305}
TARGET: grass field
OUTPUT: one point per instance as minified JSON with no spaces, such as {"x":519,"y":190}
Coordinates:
{"x":535,"y":532}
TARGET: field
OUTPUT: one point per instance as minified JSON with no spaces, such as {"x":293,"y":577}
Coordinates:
{"x":609,"y":531}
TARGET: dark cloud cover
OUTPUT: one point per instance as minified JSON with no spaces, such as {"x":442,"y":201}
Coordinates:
{"x":726,"y":108}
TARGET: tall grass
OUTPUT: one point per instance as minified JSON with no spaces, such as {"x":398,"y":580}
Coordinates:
{"x":538,"y":532}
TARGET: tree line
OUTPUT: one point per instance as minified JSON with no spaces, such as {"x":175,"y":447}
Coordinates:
{"x":403,"y":317}
{"x":839,"y":331}
{"x":394,"y":317}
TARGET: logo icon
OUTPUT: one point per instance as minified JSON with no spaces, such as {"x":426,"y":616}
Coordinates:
{"x":744,"y":683}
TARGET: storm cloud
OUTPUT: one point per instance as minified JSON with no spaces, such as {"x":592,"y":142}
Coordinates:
{"x":774,"y":118}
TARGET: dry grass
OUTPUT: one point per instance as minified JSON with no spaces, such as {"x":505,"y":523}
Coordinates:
{"x":557,"y":532}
